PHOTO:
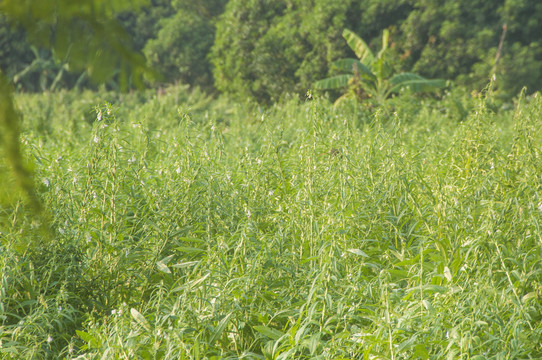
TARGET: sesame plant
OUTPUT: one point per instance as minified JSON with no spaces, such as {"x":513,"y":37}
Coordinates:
{"x":190,"y":228}
{"x":373,"y":75}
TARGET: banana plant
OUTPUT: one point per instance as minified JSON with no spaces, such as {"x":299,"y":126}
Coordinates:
{"x":373,"y":75}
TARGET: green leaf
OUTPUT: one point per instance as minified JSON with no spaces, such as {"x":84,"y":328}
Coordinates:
{"x":528,"y":296}
{"x":334,"y":82}
{"x":163,"y":267}
{"x":415,"y":83}
{"x":407,"y":344}
{"x":385,"y":39}
{"x":358,"y":252}
{"x":140,"y":319}
{"x":91,"y":341}
{"x":421,"y":352}
{"x":382,"y":69}
{"x":403,"y":77}
{"x":353,"y":66}
{"x":162,"y":264}
{"x":185,"y":264}
{"x":220,"y":328}
{"x":447,"y":273}
{"x":360,"y":48}
{"x":269,"y":332}
{"x":188,"y":249}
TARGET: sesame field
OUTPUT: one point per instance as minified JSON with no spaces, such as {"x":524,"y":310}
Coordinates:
{"x":176,"y":226}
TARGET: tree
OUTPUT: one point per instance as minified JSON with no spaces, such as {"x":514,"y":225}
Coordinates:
{"x":458,"y":40}
{"x":181,"y":46}
{"x":84,"y":33}
{"x":266,"y":48}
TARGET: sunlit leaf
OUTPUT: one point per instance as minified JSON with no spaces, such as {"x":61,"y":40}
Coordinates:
{"x":360,"y":48}
{"x":140,"y":319}
{"x":358,"y":252}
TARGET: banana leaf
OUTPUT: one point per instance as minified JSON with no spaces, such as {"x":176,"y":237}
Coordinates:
{"x":360,"y":48}
{"x":347,"y":65}
{"x":333,"y":82}
{"x":402,"y":77}
{"x":415,"y":83}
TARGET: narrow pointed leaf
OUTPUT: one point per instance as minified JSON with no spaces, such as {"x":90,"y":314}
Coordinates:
{"x":269,"y":332}
{"x":163,"y":267}
{"x":360,"y":48}
{"x":334,"y":82}
{"x":358,"y":252}
{"x":220,"y":328}
{"x":140,"y":319}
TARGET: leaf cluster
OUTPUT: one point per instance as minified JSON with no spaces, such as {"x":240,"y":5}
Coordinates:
{"x":373,"y":75}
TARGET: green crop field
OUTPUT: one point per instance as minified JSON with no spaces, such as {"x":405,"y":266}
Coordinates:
{"x":176,"y":226}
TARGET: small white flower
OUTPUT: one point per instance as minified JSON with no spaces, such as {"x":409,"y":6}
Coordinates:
{"x":113,"y":312}
{"x":540,"y":206}
{"x":178,"y":170}
{"x":87,"y":240}
{"x":249,"y":213}
{"x":99,"y":116}
{"x":46,"y":182}
{"x":60,"y":308}
{"x":132,"y":160}
{"x":74,"y":180}
{"x":259,"y":162}
{"x":96,"y":139}
{"x":271,"y":192}
{"x":49,"y":339}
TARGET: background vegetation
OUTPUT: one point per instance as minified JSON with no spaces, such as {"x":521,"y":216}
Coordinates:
{"x":263,"y":49}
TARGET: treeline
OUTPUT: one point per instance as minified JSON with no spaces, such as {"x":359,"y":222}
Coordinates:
{"x":262,"y":49}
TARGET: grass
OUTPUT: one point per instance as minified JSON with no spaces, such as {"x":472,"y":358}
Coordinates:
{"x":188,"y":228}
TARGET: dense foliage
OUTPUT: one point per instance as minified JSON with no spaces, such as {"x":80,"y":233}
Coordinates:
{"x":263,"y":49}
{"x":459,"y":40}
{"x":181,"y":46}
{"x":190,"y":228}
